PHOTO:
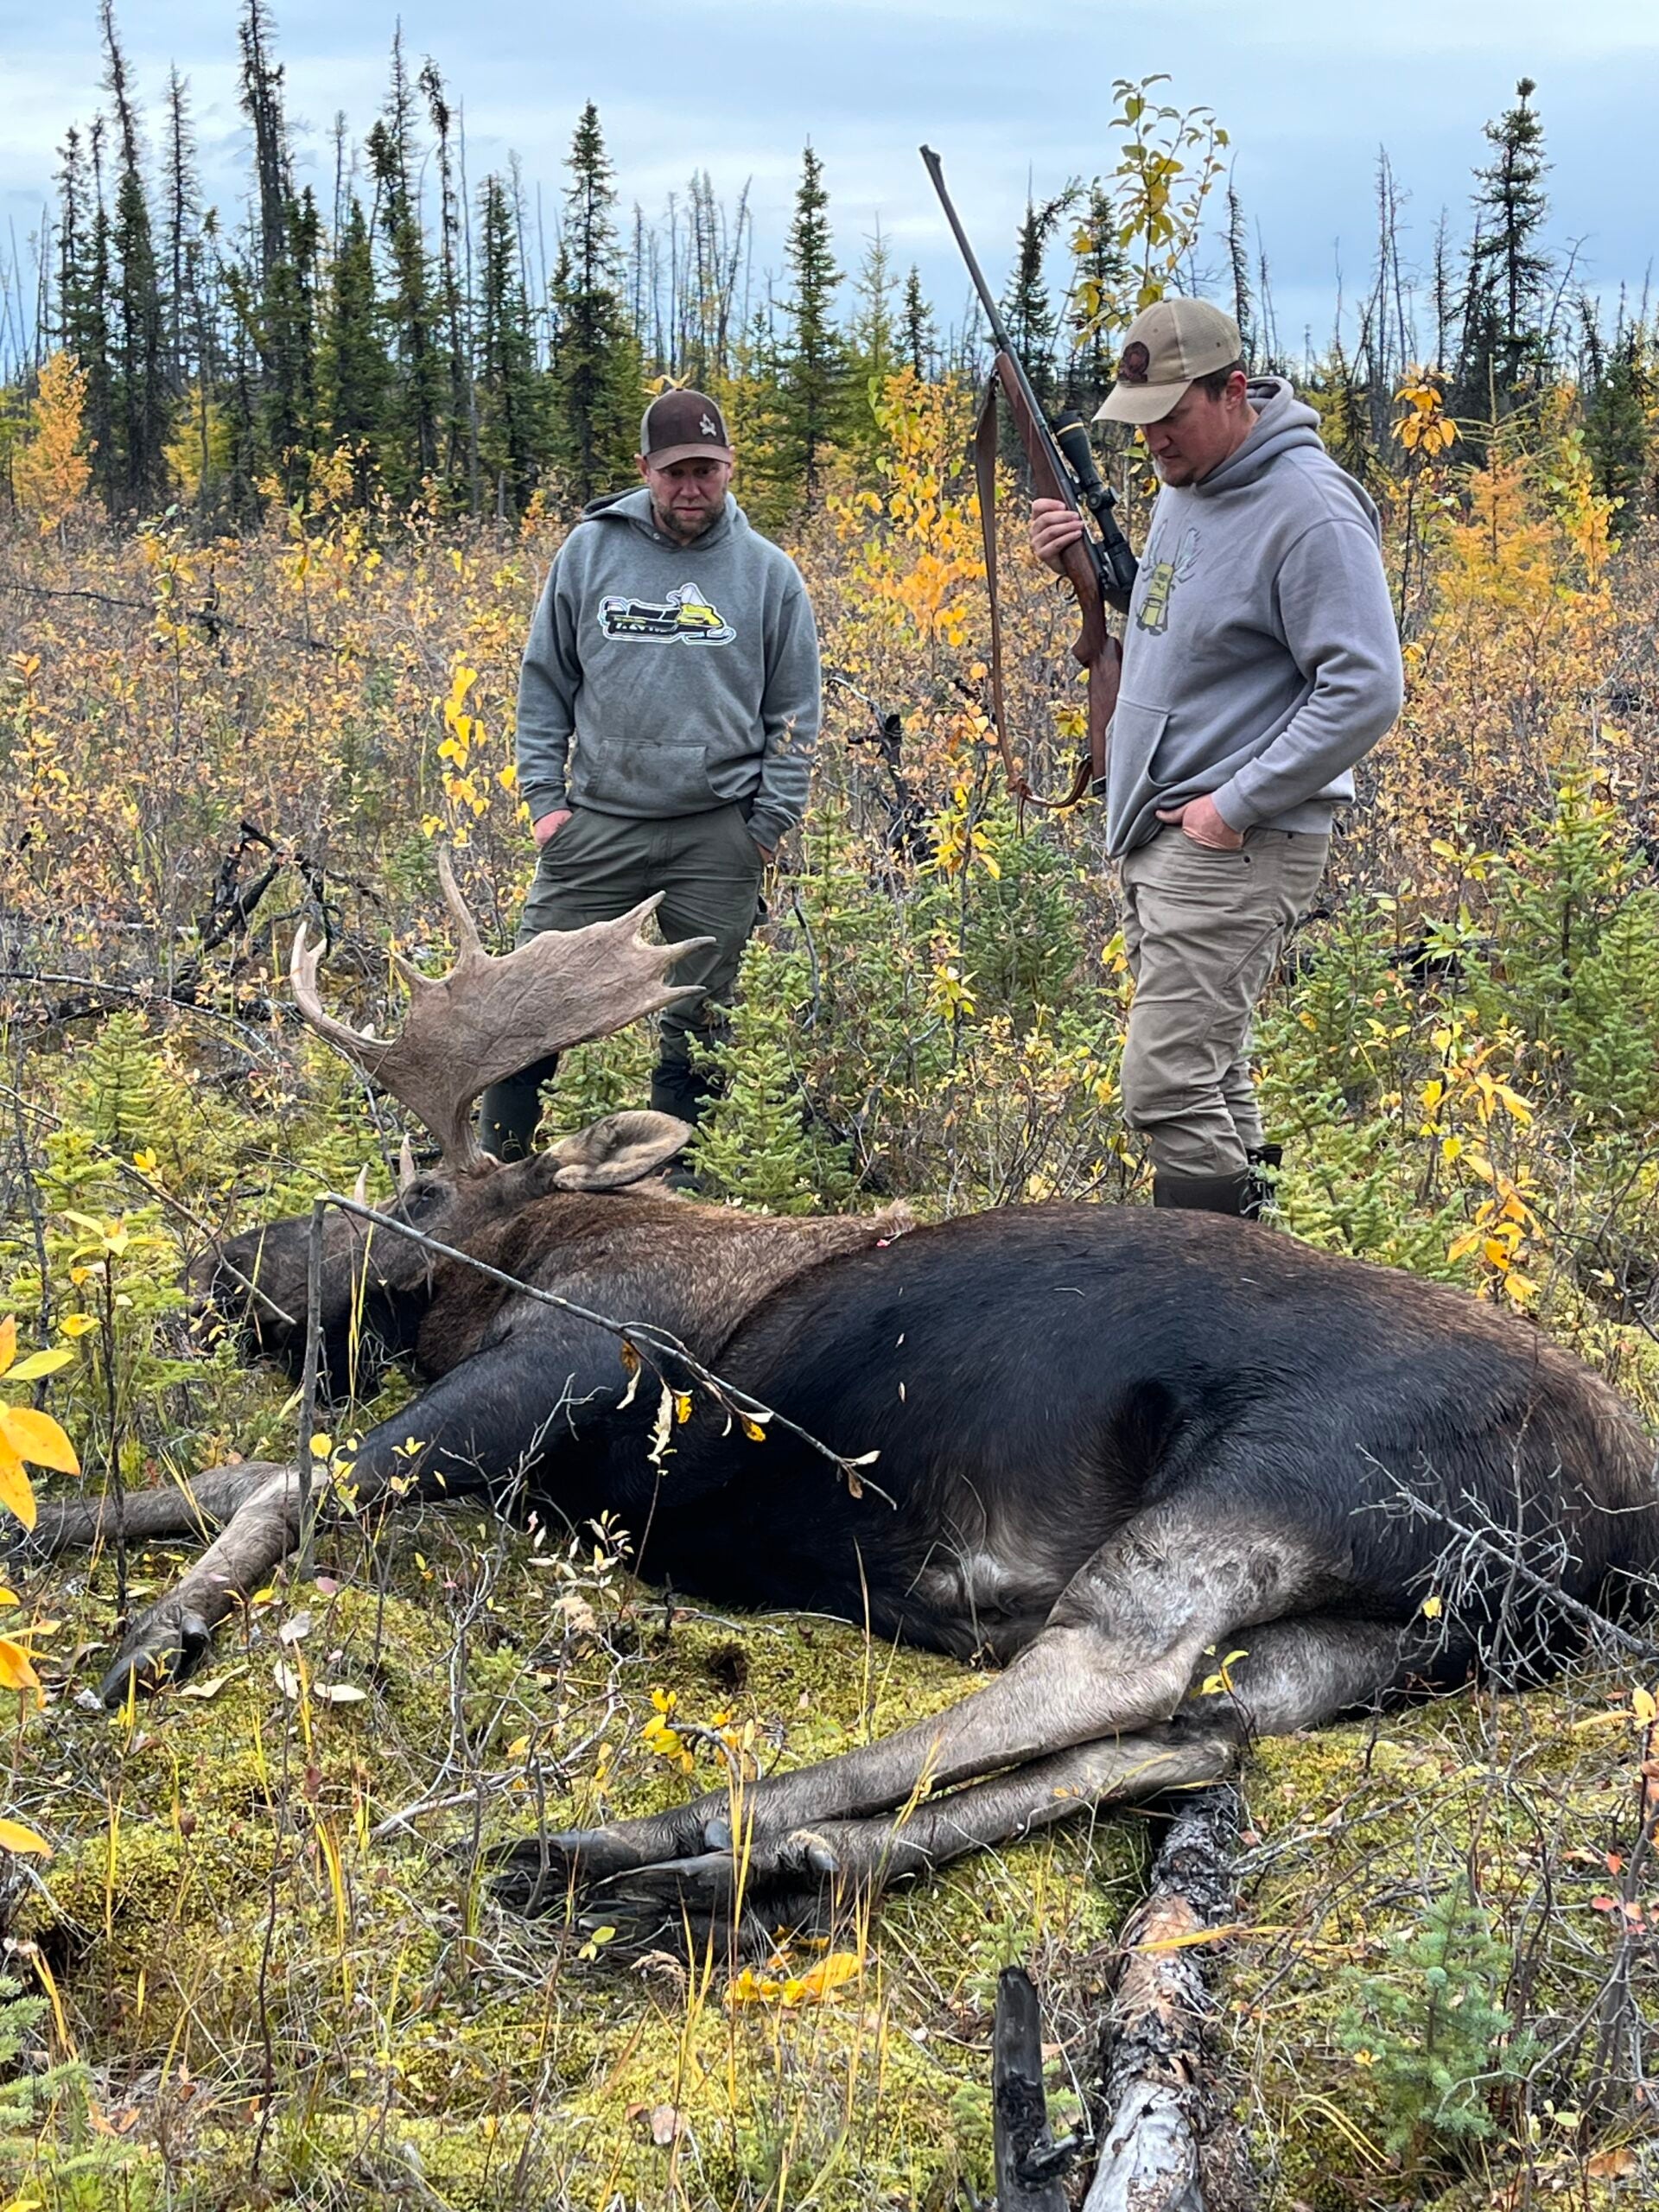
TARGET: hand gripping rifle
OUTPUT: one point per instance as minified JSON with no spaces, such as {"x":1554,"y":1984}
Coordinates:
{"x":1099,"y":566}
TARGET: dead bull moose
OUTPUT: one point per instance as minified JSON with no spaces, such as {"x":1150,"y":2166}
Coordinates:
{"x":1112,"y":1441}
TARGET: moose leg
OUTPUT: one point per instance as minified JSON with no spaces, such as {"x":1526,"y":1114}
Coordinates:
{"x":473,"y":1430}
{"x":166,"y":1642}
{"x":1116,"y":1656}
{"x":1295,"y":1674}
{"x":200,"y":1507}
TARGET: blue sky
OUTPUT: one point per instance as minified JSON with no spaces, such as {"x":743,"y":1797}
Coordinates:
{"x":1008,"y":92}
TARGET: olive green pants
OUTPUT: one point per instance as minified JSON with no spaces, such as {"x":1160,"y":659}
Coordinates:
{"x":708,"y":869}
{"x":1204,"y":930}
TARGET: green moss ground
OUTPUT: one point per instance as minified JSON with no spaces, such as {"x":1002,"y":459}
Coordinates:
{"x":220,"y":1914}
{"x":282,"y":1999}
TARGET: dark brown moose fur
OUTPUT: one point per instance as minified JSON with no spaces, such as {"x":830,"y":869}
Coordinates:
{"x":1110,"y":1441}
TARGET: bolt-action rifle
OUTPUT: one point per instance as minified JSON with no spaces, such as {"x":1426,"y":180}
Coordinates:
{"x":1099,"y":566}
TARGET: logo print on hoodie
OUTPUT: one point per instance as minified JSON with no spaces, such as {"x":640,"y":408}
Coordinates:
{"x":684,"y":616}
{"x":1161,"y":577}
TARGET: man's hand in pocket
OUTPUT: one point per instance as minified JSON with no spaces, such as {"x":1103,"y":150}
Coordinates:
{"x":1203,"y":824}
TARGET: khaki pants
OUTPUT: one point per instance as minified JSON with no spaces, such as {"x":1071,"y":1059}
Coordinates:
{"x":708,"y":869}
{"x":1205,"y":930}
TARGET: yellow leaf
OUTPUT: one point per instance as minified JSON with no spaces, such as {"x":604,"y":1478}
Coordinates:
{"x":8,"y":1343}
{"x":145,"y":1162}
{"x":1642,"y":1705}
{"x":77,"y":1325}
{"x":14,"y":1493}
{"x":14,"y":1836}
{"x":9,"y":1597}
{"x":38,"y":1437}
{"x":16,"y":1671}
{"x":1433,"y":1608}
{"x":39,"y":1363}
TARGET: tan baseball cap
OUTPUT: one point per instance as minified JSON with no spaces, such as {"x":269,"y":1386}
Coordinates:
{"x":1166,"y":347}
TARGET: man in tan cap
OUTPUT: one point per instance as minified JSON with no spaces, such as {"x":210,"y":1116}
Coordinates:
{"x":1260,"y":661}
{"x":668,"y":707}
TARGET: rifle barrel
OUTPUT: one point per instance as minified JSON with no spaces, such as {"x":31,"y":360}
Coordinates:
{"x":993,"y":314}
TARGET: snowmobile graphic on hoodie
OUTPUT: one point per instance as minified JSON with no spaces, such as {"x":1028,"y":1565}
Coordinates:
{"x":682,"y":614}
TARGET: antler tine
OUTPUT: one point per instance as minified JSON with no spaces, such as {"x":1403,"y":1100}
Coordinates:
{"x":365,"y":1051}
{"x":466,"y":936}
{"x":628,"y":925}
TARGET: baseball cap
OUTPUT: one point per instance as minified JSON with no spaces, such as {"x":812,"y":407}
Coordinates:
{"x":1166,"y":347}
{"x":679,"y":426}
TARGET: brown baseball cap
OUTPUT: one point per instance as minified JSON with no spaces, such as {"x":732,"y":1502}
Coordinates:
{"x":681,"y":426}
{"x":1166,"y":347}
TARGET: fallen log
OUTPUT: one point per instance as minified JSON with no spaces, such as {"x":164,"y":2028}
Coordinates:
{"x":1160,"y":2059}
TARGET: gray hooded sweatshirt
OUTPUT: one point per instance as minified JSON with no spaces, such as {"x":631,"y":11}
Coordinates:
{"x":663,"y":679}
{"x":1261,"y":659}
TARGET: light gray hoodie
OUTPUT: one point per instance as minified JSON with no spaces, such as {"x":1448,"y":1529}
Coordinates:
{"x":662,"y":678}
{"x":1261,"y":659}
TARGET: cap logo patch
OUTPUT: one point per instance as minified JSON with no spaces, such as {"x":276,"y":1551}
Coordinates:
{"x":1132,"y":368}
{"x":709,"y":429}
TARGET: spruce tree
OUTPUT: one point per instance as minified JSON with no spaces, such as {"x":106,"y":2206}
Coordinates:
{"x":874,"y":332}
{"x":510,"y":399}
{"x":355,"y":377}
{"x":919,"y":336}
{"x":812,"y":367}
{"x":138,"y":389}
{"x":598,"y":389}
{"x":275,"y":295}
{"x":81,"y":326}
{"x":1621,"y":389}
{"x":417,"y":402}
{"x":1101,"y":277}
{"x":1510,"y":271}
{"x":460,"y":460}
{"x":1027,"y":306}
{"x":182,"y":241}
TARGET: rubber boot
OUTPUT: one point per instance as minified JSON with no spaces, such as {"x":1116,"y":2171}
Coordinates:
{"x":1265,"y":1161}
{"x":679,"y":1088}
{"x":1203,"y":1193}
{"x":510,"y":1112}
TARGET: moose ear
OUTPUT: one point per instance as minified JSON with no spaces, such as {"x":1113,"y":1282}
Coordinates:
{"x":622,"y":1149}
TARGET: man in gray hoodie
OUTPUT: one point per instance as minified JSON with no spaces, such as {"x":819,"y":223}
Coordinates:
{"x":1260,"y":661}
{"x":668,"y":707}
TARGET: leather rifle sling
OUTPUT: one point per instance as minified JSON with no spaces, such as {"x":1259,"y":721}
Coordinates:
{"x":985,"y":478}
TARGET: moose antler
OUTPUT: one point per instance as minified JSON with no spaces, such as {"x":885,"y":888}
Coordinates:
{"x":491,"y":1016}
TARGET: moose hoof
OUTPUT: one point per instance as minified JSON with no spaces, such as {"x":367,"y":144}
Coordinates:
{"x":164,"y":1648}
{"x":540,"y":1874}
{"x":750,"y":1899}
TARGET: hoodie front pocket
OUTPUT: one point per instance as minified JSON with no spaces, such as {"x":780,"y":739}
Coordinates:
{"x":1137,"y":732}
{"x":651,"y":776}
